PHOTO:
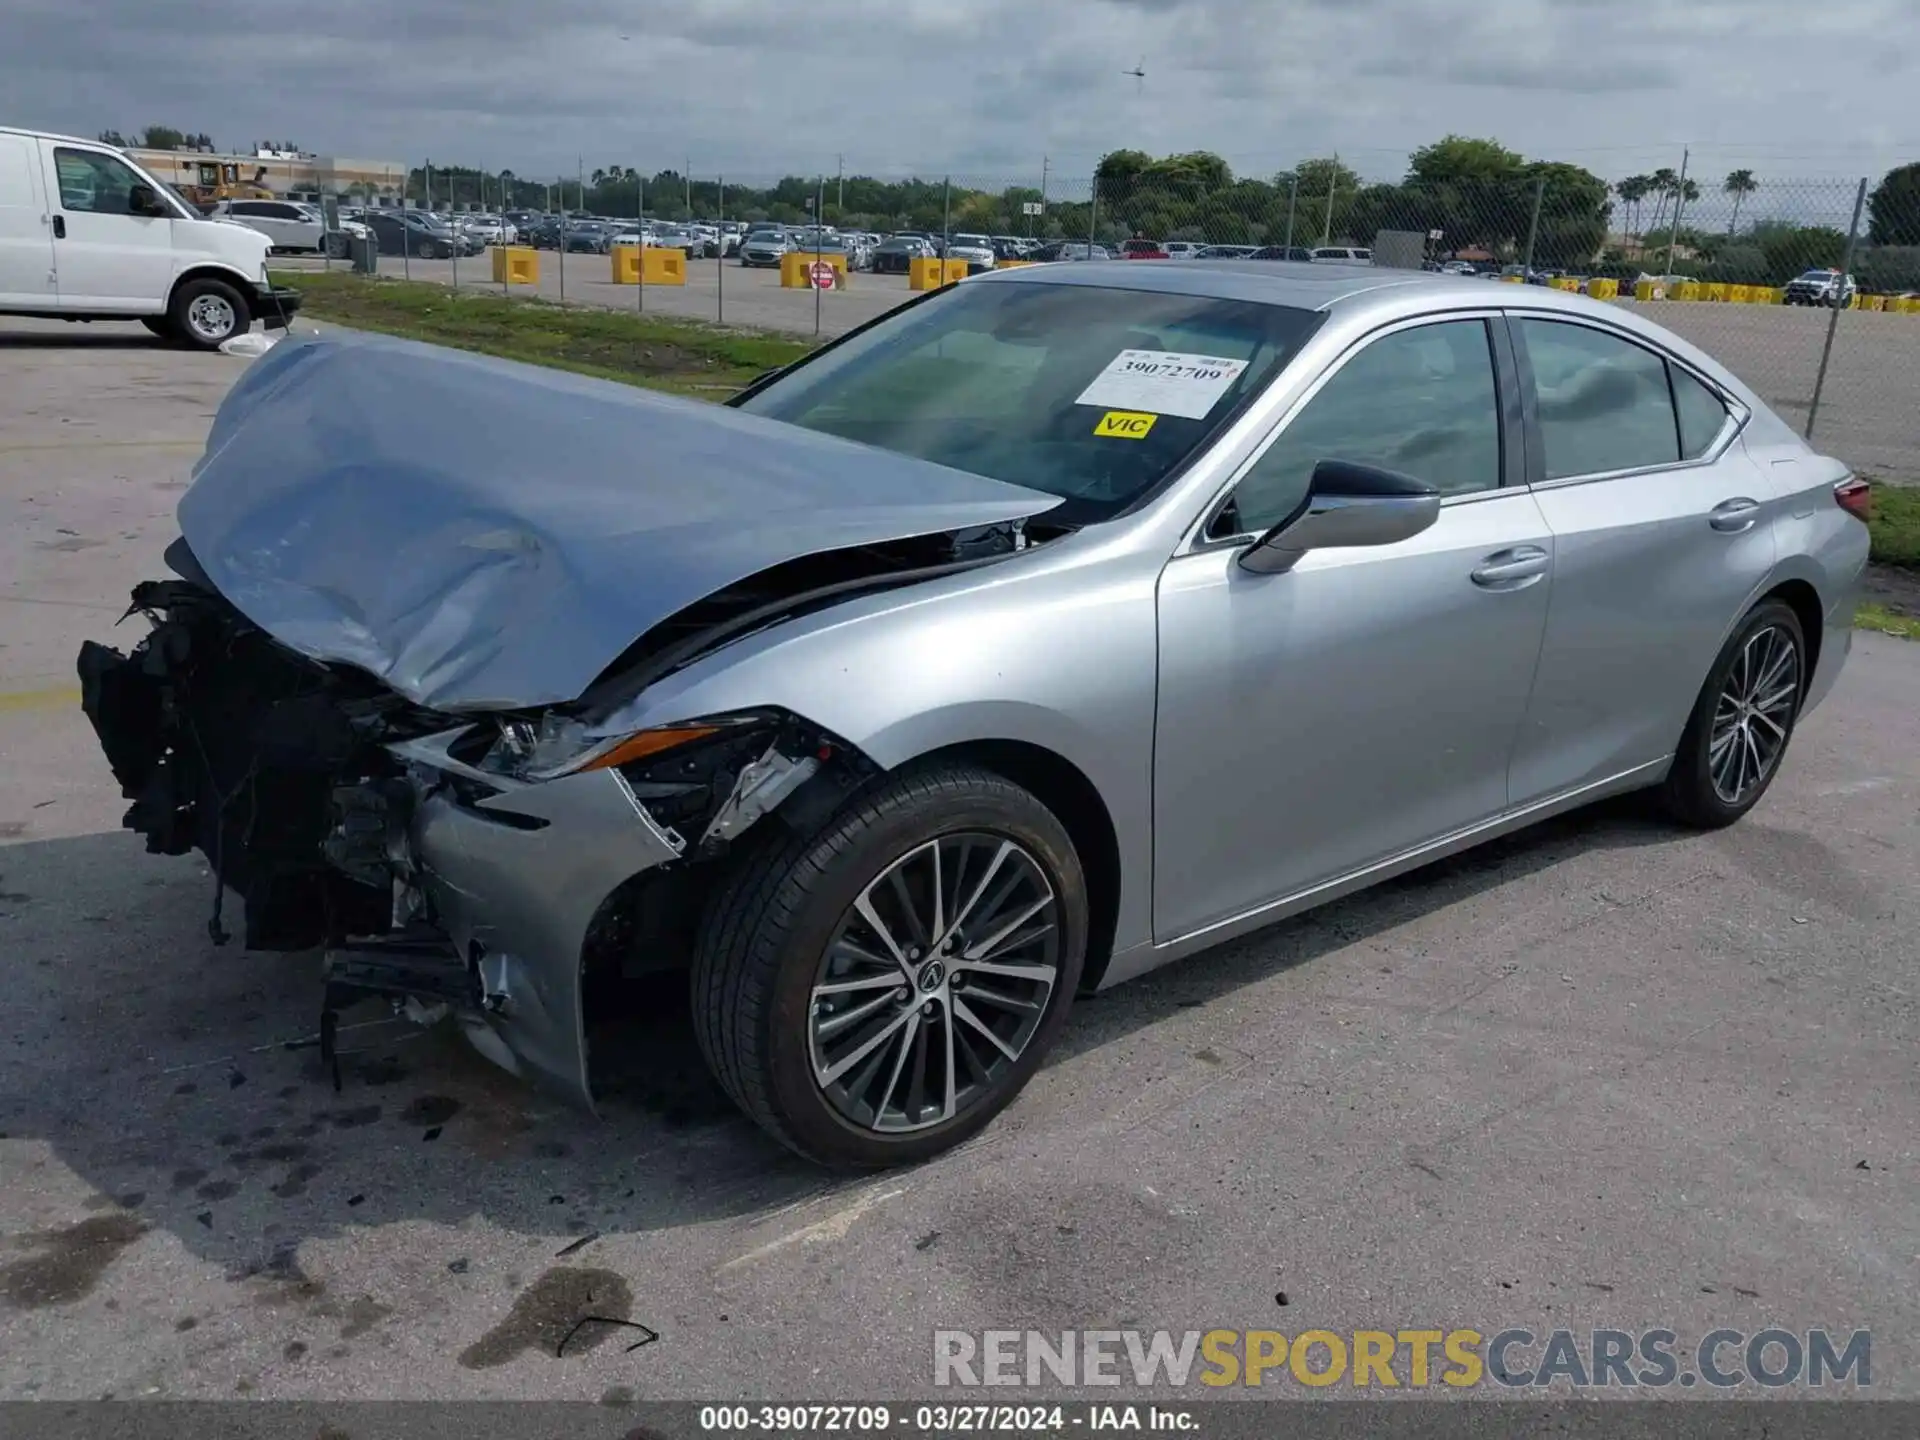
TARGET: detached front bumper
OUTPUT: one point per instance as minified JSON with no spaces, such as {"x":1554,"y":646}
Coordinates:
{"x":516,"y":879}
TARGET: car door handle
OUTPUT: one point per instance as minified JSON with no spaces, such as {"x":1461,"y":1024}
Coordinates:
{"x":1730,"y":517}
{"x":1512,"y":569}
{"x":59,"y":227}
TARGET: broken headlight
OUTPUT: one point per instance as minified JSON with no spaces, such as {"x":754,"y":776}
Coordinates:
{"x":555,"y":745}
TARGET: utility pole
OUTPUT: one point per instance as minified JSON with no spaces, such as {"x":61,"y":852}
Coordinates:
{"x":689,"y":189}
{"x":1679,"y":202}
{"x":840,"y":185}
{"x":1043,"y":196}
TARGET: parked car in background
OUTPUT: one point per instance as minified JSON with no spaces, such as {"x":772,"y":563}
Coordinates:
{"x":901,"y":725}
{"x":895,"y":254}
{"x":1342,"y":255}
{"x":1293,"y":254}
{"x":418,"y":234}
{"x":1820,"y":287}
{"x":1226,"y":252}
{"x":677,"y":237}
{"x":1139,"y":249}
{"x":1457,"y":267}
{"x":763,"y":248}
{"x":1183,"y":249}
{"x":291,"y":226}
{"x":976,"y":250}
{"x":592,"y":237}
{"x":1072,"y":250}
{"x":488,"y":229}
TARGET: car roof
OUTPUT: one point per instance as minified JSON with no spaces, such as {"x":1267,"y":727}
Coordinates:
{"x":1369,"y":294}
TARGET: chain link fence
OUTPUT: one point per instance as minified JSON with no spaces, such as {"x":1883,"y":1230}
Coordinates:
{"x":1724,"y":263}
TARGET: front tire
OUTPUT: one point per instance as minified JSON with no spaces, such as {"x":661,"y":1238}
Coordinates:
{"x":207,"y":313}
{"x":1742,"y":722}
{"x":875,"y":994}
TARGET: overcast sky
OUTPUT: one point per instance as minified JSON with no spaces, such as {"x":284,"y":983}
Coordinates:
{"x":984,"y":88}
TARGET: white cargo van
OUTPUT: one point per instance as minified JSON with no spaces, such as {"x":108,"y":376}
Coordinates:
{"x":85,"y":234}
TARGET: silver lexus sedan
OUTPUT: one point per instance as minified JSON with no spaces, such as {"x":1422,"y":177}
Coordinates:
{"x":1056,"y":626}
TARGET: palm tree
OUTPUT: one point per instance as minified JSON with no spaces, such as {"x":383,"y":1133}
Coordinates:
{"x":1739,"y":184}
{"x":1632,"y":191}
{"x":1664,"y":183}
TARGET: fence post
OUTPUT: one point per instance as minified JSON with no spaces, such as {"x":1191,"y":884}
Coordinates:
{"x":640,"y":227}
{"x":1093,"y":216}
{"x":1533,"y":225}
{"x":720,"y":263}
{"x":1833,"y":319}
{"x":1293,"y":197}
{"x":946,"y":214}
{"x":1333,"y":186}
{"x":562,"y":213}
{"x":819,"y":225}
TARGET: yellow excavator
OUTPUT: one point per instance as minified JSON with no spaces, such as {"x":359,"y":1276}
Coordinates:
{"x":217,"y":180}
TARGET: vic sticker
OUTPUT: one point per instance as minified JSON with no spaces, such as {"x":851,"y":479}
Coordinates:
{"x":1124,"y":425}
{"x":1162,"y":382}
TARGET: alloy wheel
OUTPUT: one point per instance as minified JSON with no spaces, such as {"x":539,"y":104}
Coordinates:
{"x":211,"y":317}
{"x":934,"y":982}
{"x":1754,"y":714}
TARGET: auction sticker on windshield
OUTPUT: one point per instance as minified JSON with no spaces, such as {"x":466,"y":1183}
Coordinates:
{"x":1162,"y":382}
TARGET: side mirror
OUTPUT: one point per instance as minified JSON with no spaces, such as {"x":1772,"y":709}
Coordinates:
{"x":1347,"y":505}
{"x":142,"y":201}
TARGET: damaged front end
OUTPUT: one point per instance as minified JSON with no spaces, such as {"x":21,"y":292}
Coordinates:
{"x":487,"y":867}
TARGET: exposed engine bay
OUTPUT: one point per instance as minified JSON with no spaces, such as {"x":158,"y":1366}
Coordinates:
{"x":462,"y":863}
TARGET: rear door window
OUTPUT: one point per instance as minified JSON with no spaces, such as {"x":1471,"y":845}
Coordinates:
{"x":1604,"y":402}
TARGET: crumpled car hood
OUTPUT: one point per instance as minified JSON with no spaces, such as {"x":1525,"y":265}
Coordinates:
{"x":482,"y":535}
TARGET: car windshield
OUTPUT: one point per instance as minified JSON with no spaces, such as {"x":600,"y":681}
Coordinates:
{"x":1819,"y":275}
{"x":1090,"y":393}
{"x":978,"y":242}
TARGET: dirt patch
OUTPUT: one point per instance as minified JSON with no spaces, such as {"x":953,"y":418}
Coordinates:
{"x":1894,"y":587}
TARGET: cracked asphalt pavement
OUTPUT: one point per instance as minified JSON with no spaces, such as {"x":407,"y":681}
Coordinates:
{"x":1602,"y":1073}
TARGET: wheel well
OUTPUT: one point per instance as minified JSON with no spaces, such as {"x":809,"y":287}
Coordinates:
{"x":1063,"y":788}
{"x":1805,"y":601}
{"x":212,"y":272}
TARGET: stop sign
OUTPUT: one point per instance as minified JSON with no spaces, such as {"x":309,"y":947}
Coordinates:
{"x":822,"y":275}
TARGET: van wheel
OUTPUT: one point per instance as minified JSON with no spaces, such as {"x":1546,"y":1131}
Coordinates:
{"x":207,"y":313}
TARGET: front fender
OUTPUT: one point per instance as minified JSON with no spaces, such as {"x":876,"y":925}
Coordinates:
{"x":1061,"y":657}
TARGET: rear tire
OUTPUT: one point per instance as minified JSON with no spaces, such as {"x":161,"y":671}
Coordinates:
{"x":1742,"y":723}
{"x":206,"y":313}
{"x":786,"y":949}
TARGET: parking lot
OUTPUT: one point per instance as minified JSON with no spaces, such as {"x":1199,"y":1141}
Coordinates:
{"x":1867,"y":409}
{"x":1600,"y":1074}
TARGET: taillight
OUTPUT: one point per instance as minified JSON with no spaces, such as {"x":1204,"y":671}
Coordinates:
{"x":1855,"y":496}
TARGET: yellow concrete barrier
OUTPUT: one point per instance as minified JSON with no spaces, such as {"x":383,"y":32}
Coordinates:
{"x":1714,"y":290}
{"x":633,"y":265}
{"x":1870,"y":302}
{"x":931,"y":272}
{"x":1567,"y":283}
{"x":1768,"y":295}
{"x":1906,"y":305}
{"x":516,"y":265}
{"x":1603,"y":289}
{"x":1685,"y":290}
{"x":1649,"y":290}
{"x":1513,"y":279}
{"x":1739,"y":294}
{"x":796,"y":269}
{"x":1011,"y":264}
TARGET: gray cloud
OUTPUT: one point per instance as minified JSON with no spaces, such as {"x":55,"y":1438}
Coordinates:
{"x":982,"y":89}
